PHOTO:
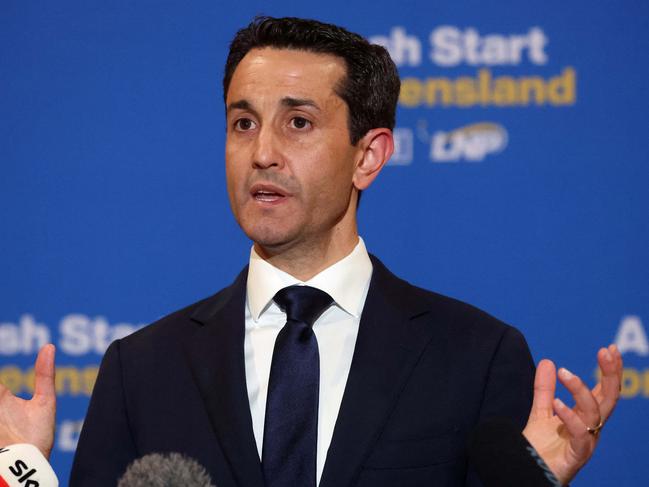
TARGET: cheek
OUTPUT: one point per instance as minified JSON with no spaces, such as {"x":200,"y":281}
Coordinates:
{"x":234,"y":172}
{"x":332,"y":180}
{"x":229,"y":179}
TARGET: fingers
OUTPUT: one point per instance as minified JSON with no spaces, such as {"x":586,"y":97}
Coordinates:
{"x":607,"y":391}
{"x":580,"y":439}
{"x":618,"y":360}
{"x":587,"y":408}
{"x":585,"y":414}
{"x":544,"y":388}
{"x":44,"y":372}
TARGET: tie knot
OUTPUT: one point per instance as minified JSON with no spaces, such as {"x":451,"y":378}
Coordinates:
{"x":302,"y":303}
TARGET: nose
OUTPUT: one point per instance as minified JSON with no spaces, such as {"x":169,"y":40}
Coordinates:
{"x":267,"y":151}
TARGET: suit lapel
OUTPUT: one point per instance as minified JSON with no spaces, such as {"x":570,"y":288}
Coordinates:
{"x":389,"y":344}
{"x":216,"y":357}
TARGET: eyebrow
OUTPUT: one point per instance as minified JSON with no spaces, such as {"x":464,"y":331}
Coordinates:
{"x":287,"y":101}
{"x":240,"y":104}
{"x":299,"y":102}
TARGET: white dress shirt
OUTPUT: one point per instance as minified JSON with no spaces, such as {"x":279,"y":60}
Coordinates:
{"x":347,"y":282}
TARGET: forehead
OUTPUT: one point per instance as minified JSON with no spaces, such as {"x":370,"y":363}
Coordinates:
{"x":268,"y":71}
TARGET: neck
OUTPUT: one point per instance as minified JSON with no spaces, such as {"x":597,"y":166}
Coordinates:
{"x":309,"y":258}
{"x":313,"y":253}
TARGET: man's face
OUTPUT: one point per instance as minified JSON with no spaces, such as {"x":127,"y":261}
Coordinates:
{"x":289,"y":160}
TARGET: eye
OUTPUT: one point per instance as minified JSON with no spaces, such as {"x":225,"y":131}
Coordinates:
{"x":244,"y":124}
{"x":300,"y":123}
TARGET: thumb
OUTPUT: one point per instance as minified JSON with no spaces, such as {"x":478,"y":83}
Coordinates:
{"x":544,"y":387}
{"x":44,"y":371}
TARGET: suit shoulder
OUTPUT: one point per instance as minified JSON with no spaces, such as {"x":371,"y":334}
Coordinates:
{"x":176,"y":323}
{"x":182,"y":321}
{"x":175,"y":326}
{"x":470,"y":329}
{"x":454,"y":313}
{"x":463,"y":311}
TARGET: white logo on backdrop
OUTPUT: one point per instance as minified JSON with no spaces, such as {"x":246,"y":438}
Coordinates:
{"x":631,"y":336}
{"x":25,"y":337}
{"x":78,"y":335}
{"x":67,"y":435}
{"x":453,"y":46}
{"x":470,"y":143}
{"x":631,"y":339}
{"x":403,"y":147}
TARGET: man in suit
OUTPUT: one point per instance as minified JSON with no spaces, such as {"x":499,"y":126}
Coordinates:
{"x":400,"y":375}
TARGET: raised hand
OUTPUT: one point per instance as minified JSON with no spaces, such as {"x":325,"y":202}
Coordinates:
{"x":564,"y":437}
{"x":31,"y":421}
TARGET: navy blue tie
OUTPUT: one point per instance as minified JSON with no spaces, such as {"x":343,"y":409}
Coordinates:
{"x":291,"y":424}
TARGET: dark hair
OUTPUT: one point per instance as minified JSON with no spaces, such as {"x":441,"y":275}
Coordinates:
{"x":371,"y":85}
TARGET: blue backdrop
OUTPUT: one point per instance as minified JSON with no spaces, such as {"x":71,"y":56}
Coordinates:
{"x":519,"y":182}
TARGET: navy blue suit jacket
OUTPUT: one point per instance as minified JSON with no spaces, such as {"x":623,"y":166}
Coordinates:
{"x":426,"y":369}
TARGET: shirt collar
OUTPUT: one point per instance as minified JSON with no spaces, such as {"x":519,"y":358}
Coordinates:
{"x":346,"y":281}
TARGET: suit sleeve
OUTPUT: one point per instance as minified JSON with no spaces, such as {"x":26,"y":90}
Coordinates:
{"x":509,"y":387}
{"x":510,"y":383}
{"x":106,"y":446}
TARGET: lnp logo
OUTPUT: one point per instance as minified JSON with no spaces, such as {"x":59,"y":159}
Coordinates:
{"x":471,"y":143}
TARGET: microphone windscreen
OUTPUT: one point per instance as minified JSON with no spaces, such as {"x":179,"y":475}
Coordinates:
{"x":165,"y":470}
{"x":502,"y":457}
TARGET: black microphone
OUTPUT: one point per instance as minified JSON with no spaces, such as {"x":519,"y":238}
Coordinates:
{"x":170,"y":470}
{"x":502,"y":457}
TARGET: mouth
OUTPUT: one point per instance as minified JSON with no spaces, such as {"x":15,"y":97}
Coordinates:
{"x":268,"y":193}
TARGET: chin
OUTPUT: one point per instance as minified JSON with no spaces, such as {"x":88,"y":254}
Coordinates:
{"x":269,"y":236}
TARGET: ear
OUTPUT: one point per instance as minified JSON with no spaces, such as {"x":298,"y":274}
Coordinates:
{"x":376,"y":146}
